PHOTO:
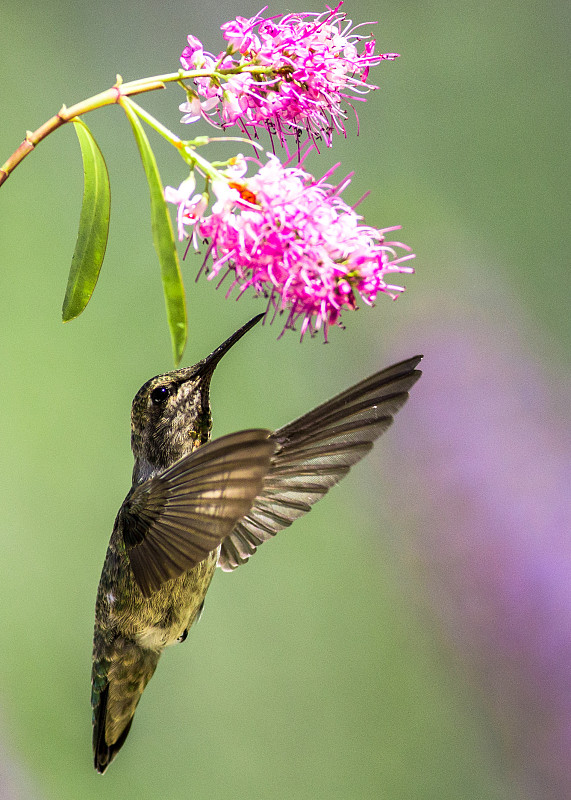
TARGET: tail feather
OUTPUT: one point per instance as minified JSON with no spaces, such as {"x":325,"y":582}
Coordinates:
{"x":117,"y":685}
{"x":103,"y":752}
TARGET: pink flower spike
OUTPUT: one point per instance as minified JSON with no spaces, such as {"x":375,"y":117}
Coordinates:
{"x":293,"y":239}
{"x":313,"y":65}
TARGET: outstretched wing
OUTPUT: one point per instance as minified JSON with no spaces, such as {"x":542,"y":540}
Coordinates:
{"x":171,"y":522}
{"x":314,"y":452}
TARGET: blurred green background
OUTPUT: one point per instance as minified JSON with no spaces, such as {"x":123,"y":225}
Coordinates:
{"x":362,"y":654}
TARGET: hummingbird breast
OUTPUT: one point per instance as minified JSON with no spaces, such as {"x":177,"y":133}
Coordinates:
{"x":151,"y":622}
{"x":181,"y":606}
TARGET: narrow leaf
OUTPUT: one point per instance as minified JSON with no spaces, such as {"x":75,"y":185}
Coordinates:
{"x":93,"y":226}
{"x":163,"y":238}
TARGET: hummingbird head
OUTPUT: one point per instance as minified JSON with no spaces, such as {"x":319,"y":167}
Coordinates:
{"x":170,"y":416}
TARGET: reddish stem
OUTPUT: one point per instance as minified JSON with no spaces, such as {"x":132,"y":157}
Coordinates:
{"x":106,"y":98}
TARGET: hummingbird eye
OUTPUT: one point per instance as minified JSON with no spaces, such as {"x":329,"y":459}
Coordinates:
{"x":160,"y":394}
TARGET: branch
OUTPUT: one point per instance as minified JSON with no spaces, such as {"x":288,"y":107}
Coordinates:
{"x":106,"y":98}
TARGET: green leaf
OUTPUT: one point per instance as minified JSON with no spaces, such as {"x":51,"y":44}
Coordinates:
{"x":163,"y":238}
{"x":93,"y":226}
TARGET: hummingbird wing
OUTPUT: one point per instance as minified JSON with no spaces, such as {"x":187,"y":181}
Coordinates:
{"x":172,"y":521}
{"x":314,"y":452}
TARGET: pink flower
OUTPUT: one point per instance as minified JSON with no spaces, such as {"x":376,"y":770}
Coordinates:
{"x":194,"y":109}
{"x":294,"y":240}
{"x":189,"y":209}
{"x":311,"y":63}
{"x":193,"y":54}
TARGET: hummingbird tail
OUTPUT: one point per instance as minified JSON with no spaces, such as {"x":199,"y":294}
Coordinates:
{"x":117,"y":685}
{"x":105,"y":753}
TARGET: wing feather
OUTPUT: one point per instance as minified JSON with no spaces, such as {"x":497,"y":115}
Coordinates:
{"x":172,"y":521}
{"x":314,"y":452}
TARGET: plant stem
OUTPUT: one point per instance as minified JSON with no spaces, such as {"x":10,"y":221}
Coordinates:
{"x":186,"y":148}
{"x":106,"y":98}
{"x":182,"y":74}
{"x":110,"y":97}
{"x":152,"y":122}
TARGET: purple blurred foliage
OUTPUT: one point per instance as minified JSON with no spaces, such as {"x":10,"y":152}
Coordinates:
{"x":485,"y":449}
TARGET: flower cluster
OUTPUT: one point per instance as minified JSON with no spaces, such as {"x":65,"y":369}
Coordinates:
{"x":290,"y":74}
{"x":293,"y":239}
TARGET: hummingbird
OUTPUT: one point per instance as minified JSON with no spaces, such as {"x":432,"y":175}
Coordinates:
{"x":196,"y":504}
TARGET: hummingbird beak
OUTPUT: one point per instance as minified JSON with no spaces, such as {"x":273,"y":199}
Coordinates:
{"x":206,"y":367}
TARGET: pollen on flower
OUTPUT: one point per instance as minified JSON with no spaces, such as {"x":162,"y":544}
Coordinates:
{"x":292,"y":239}
{"x":306,"y":66}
